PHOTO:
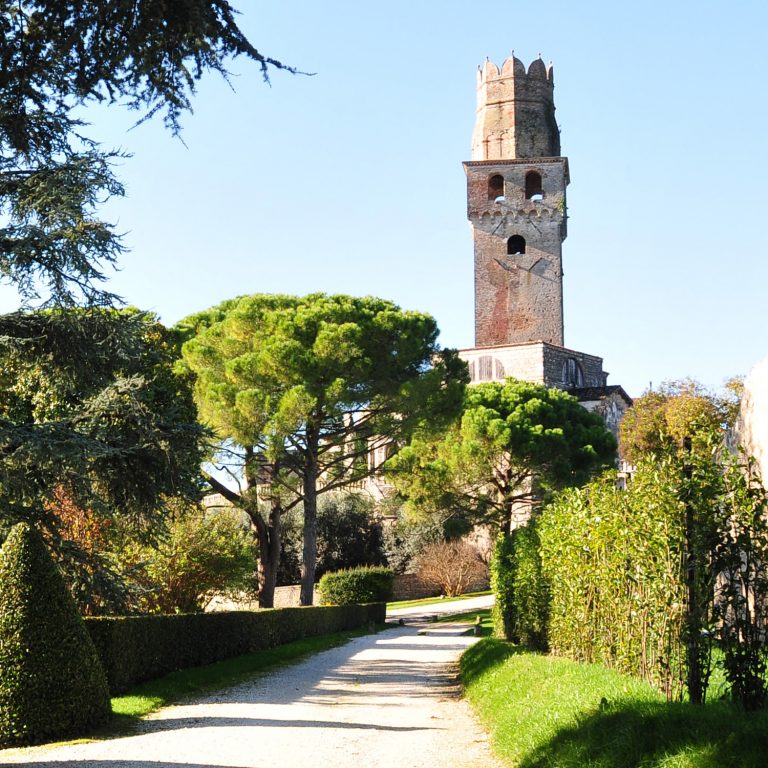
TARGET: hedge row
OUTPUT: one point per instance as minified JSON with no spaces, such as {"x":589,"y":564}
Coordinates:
{"x":521,"y":608}
{"x":134,"y":649}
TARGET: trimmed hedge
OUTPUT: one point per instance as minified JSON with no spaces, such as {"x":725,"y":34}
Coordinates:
{"x":521,"y":609}
{"x":356,"y":585}
{"x":134,"y":649}
{"x":51,"y":682}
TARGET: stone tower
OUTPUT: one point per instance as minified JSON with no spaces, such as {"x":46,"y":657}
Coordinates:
{"x":516,"y":184}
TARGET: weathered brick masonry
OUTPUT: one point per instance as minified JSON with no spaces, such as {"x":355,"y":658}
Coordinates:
{"x":516,"y":203}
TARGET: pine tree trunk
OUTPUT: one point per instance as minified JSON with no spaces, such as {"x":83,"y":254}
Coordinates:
{"x":270,"y":558}
{"x":309,"y":559}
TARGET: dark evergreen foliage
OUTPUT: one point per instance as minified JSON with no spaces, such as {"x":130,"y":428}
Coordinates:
{"x":134,"y":649}
{"x":521,"y":610}
{"x":55,"y":56}
{"x":348,"y":536}
{"x":89,"y":402}
{"x":86,"y":403}
{"x":51,"y":681}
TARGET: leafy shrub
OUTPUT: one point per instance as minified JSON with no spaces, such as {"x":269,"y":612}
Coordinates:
{"x":200,"y":555}
{"x":741,"y":595}
{"x":452,"y":566}
{"x":79,"y":542}
{"x":356,"y":585}
{"x":134,"y":649}
{"x":521,"y":609}
{"x":52,"y":683}
{"x":503,"y":587}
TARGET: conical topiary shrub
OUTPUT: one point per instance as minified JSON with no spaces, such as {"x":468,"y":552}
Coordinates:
{"x":51,"y":681}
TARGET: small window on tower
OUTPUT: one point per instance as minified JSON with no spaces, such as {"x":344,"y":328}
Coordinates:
{"x":533,"y":188}
{"x":485,"y":368}
{"x":515,"y":245}
{"x":495,"y":187}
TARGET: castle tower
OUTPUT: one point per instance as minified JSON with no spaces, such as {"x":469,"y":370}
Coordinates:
{"x":516,"y":204}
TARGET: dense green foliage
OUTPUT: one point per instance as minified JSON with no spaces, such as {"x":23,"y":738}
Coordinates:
{"x":514,"y":443}
{"x":306,"y":392}
{"x":618,"y":563}
{"x":356,"y":585}
{"x":90,"y":400}
{"x":544,"y":712}
{"x":89,"y":405}
{"x":134,"y":649}
{"x":51,"y":681}
{"x":521,"y":609}
{"x":115,"y":426}
{"x":614,"y":560}
{"x":348,"y":536}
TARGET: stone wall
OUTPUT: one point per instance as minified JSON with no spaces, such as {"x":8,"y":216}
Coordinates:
{"x":533,"y":361}
{"x":407,"y":586}
{"x":515,"y":111}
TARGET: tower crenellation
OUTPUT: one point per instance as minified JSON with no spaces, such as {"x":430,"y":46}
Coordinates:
{"x":515,"y":111}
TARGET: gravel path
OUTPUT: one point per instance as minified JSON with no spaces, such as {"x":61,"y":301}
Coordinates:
{"x":389,"y":699}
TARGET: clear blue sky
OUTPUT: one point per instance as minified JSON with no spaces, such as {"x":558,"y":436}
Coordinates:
{"x":351,"y":180}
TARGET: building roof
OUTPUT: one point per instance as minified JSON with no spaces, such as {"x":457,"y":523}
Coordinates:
{"x":589,"y":394}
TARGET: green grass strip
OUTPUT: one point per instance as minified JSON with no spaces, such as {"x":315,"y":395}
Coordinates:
{"x":435,"y":600}
{"x":548,"y":712}
{"x":471,"y":617}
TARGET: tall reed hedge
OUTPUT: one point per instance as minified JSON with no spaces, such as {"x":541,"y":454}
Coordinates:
{"x":613,"y":559}
{"x":646,"y":580}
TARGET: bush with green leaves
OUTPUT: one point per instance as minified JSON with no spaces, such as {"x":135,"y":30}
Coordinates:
{"x":647,"y":579}
{"x":614,"y":561}
{"x":521,"y":608}
{"x":52,"y":684}
{"x":356,"y":585}
{"x":200,"y":555}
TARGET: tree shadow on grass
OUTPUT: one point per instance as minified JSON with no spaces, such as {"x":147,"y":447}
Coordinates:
{"x":488,"y":653}
{"x":632,"y":734}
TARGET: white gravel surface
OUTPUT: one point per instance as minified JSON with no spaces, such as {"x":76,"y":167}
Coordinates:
{"x":389,"y":699}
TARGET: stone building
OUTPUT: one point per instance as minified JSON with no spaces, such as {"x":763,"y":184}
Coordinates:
{"x":752,"y":424}
{"x":516,"y":204}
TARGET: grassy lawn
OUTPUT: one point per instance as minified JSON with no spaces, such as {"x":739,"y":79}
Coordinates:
{"x":434,"y":600}
{"x":543,"y":711}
